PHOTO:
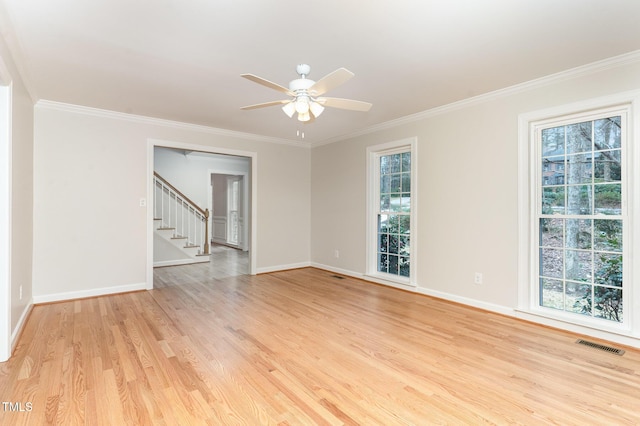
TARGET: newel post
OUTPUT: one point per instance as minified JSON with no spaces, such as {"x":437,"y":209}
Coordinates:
{"x":206,"y":231}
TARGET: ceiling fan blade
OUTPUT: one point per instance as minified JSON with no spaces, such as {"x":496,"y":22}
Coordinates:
{"x":267,"y":83}
{"x":266,"y":104}
{"x":330,"y":81}
{"x":349,"y":104}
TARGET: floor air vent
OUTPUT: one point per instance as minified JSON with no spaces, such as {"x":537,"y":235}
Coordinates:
{"x":601,"y":347}
{"x":338,"y":277}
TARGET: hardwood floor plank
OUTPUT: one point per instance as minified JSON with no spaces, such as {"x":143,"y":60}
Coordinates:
{"x":301,"y":347}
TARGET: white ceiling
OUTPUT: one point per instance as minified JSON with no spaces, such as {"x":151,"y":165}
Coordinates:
{"x":182,"y":59}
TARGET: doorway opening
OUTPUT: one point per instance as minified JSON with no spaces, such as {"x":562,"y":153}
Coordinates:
{"x":192,"y":170}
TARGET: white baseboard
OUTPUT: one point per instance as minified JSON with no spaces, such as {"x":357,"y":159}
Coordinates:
{"x":15,"y":334}
{"x":467,"y":301}
{"x":421,"y":290}
{"x":278,"y":268}
{"x":179,"y":262}
{"x":338,"y":270}
{"x":59,"y":297}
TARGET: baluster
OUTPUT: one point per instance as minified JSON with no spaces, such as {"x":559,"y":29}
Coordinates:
{"x":162,"y":205}
{"x":206,"y":231}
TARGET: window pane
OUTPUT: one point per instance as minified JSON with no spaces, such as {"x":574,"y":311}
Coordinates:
{"x":552,"y":263}
{"x":406,"y":162}
{"x":395,"y":202}
{"x":395,"y":183}
{"x":553,"y":170}
{"x":404,"y":224}
{"x":383,"y":243}
{"x":385,"y":184}
{"x":579,"y":137}
{"x":553,"y":200}
{"x":385,"y":202}
{"x":406,"y":182}
{"x":608,"y":303}
{"x":578,"y":233}
{"x":551,"y":293}
{"x":579,"y":199}
{"x":404,"y":246}
{"x":608,"y":235}
{"x":578,"y":265}
{"x":578,"y":169}
{"x":393,"y":224}
{"x":607,"y":133}
{"x":383,"y":262}
{"x":608,"y":199}
{"x":607,"y":166}
{"x":383,"y":223}
{"x":393,"y":264}
{"x":553,"y":141}
{"x":404,"y":266}
{"x":394,"y":163}
{"x":393,"y":244}
{"x":609,"y":269}
{"x":384,"y":165}
{"x":551,"y":232}
{"x":577,"y":298}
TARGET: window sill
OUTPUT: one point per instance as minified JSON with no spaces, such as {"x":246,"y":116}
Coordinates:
{"x":386,"y":279}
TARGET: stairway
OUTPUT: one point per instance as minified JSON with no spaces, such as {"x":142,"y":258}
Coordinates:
{"x":180,"y":229}
{"x":170,"y":249}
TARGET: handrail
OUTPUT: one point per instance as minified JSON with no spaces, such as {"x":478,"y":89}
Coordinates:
{"x":176,"y":190}
{"x":203,"y":212}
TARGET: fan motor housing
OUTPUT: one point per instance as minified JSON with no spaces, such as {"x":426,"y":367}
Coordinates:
{"x":300,"y":84}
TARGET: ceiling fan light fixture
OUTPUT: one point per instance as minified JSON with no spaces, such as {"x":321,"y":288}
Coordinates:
{"x":289,"y":109}
{"x":302,"y":104}
{"x":304,"y":116}
{"x":316,"y":108}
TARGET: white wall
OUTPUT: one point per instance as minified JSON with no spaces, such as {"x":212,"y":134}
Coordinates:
{"x":90,"y":173}
{"x":468,"y":199}
{"x":191,"y":173}
{"x":18,"y":193}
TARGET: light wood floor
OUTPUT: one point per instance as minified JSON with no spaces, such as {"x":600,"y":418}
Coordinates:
{"x":303,"y":347}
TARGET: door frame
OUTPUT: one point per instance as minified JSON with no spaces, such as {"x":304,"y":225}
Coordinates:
{"x":253,"y":189}
{"x":5,"y":214}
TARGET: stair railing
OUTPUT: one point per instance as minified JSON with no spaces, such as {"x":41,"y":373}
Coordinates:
{"x":177,"y":211}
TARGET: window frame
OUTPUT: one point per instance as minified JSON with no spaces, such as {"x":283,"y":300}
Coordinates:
{"x":530,"y":187}
{"x":374,"y":153}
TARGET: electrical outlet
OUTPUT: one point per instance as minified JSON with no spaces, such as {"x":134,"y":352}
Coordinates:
{"x":143,"y":202}
{"x":336,"y":254}
{"x":477,"y":279}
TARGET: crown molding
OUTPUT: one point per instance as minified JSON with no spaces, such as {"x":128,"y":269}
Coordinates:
{"x":141,"y":119}
{"x":14,"y":46}
{"x":584,"y":70}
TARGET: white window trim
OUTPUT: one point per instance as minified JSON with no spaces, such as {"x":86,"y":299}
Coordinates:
{"x":527,"y":199}
{"x":372,"y":199}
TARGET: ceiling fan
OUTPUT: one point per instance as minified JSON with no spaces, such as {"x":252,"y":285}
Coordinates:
{"x":306,"y":95}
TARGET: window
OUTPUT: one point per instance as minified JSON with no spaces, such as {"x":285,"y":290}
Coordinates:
{"x":233,"y":202}
{"x":392,"y":207}
{"x":580,"y":220}
{"x":579,"y":242}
